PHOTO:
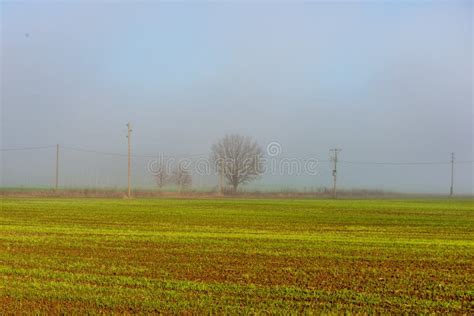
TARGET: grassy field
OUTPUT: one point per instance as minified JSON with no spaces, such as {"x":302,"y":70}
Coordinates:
{"x":236,"y":256}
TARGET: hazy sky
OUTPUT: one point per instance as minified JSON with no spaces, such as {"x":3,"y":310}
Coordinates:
{"x":384,"y":81}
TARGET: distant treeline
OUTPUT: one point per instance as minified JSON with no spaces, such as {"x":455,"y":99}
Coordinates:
{"x":147,"y":193}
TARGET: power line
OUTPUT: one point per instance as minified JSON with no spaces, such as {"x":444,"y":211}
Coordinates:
{"x":132,"y":155}
{"x":354,"y":162}
{"x":95,"y":151}
{"x":361,"y":162}
{"x":405,"y":163}
{"x":27,"y":148}
{"x":394,"y":163}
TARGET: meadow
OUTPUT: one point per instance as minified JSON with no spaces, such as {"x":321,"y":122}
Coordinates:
{"x":74,"y":256}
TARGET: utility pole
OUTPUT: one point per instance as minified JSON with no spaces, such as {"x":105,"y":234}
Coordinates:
{"x":334,"y":171}
{"x":129,"y":132}
{"x":451,"y":191}
{"x":57,"y":168}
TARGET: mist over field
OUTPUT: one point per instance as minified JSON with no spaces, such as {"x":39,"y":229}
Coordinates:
{"x":243,"y":157}
{"x":384,"y":81}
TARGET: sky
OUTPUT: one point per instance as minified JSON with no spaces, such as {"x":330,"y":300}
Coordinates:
{"x":385,"y":81}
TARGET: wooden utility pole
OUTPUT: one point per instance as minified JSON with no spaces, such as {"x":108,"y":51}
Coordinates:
{"x":129,"y":132}
{"x":451,"y":191}
{"x":57,"y":168}
{"x":334,"y":171}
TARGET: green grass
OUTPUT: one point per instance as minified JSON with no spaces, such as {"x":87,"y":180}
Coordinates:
{"x":236,"y":256}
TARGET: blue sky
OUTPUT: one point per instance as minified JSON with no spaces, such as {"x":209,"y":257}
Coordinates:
{"x":386,"y":81}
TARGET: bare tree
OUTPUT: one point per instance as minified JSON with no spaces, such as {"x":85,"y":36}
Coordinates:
{"x":161,"y":176}
{"x":238,"y":159}
{"x":182,"y":178}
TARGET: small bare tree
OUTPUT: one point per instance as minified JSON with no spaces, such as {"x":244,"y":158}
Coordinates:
{"x":161,"y":176}
{"x":238,"y":159}
{"x":182,"y":178}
